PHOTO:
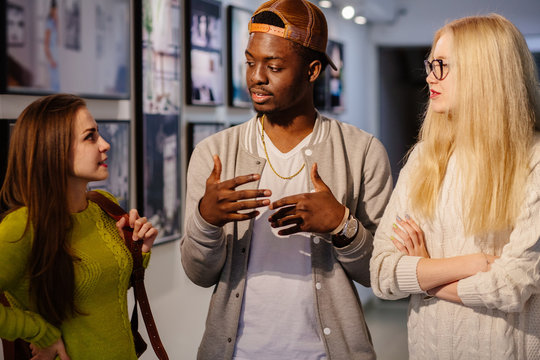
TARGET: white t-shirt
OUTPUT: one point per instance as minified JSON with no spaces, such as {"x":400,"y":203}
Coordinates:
{"x":278,"y":312}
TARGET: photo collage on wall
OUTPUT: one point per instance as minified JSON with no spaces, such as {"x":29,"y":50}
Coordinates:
{"x":71,"y":46}
{"x":160,"y":193}
{"x":48,"y":42}
{"x":204,"y":61}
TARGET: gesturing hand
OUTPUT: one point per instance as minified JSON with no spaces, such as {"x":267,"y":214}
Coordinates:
{"x":221,"y":202}
{"x":414,"y":243}
{"x":50,"y":353}
{"x":142,"y":229}
{"x":317,"y":212}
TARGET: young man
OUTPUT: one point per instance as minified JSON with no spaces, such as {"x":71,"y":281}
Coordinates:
{"x":285,"y":221}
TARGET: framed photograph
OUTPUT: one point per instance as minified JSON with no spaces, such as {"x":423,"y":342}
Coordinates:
{"x":204,"y":55}
{"x":161,"y":192}
{"x":328,"y":90}
{"x":71,"y":46}
{"x":238,"y":35}
{"x":158,"y":106}
{"x":199,"y":131}
{"x":117,"y":134}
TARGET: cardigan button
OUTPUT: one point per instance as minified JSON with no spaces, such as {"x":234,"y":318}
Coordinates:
{"x":327,"y":331}
{"x":237,"y":295}
{"x":315,"y":240}
{"x":308,"y":152}
{"x":243,"y":250}
{"x":229,"y":340}
{"x":318,"y":286}
{"x":258,"y":162}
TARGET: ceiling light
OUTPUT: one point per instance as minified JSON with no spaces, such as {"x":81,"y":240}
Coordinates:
{"x":347,"y":12}
{"x":325,"y":4}
{"x":360,"y":20}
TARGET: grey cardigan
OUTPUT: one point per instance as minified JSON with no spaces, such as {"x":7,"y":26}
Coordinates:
{"x":355,"y":166}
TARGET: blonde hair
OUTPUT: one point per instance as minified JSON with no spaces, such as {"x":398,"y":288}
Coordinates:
{"x":489,"y":129}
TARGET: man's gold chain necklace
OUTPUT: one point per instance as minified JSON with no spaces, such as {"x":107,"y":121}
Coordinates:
{"x":268,"y":158}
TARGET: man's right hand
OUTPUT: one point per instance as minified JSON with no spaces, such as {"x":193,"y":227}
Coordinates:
{"x":221,"y":202}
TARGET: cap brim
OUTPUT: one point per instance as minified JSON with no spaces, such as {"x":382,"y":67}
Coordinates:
{"x":330,"y":62}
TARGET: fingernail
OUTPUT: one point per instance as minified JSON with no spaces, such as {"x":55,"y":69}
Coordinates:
{"x":394,"y":225}
{"x":392,"y":238}
{"x":398,"y":219}
{"x":407,"y":217}
{"x":267,"y":193}
{"x":266,"y":202}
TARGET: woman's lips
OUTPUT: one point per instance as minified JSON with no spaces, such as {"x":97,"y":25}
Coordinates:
{"x":434,"y":94}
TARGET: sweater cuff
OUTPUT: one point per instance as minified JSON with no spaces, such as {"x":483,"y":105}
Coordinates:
{"x":407,"y":279}
{"x":468,"y":293}
{"x":45,"y":338}
{"x":204,"y":226}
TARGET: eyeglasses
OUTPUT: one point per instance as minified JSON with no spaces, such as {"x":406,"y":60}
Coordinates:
{"x":439,"y":69}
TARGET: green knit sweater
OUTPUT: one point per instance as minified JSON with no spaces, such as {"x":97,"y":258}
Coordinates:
{"x":101,"y":284}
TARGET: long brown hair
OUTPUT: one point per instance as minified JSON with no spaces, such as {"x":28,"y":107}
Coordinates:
{"x":36,"y":177}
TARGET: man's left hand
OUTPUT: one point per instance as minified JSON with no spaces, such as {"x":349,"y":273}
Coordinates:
{"x":317,"y":212}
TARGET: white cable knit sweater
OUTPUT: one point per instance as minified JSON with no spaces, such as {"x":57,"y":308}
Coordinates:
{"x":500,"y":318}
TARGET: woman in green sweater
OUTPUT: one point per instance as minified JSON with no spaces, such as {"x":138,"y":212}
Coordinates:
{"x":63,"y":264}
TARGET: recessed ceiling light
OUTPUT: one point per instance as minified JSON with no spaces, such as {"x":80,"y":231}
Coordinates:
{"x":347,"y":12}
{"x":325,"y":4}
{"x":360,"y":20}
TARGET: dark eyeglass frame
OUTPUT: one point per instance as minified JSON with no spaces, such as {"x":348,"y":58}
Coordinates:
{"x":430,"y":68}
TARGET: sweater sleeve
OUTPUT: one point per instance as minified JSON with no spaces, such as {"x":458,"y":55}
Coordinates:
{"x":515,"y":276}
{"x":393,"y":274}
{"x":16,"y":321}
{"x":377,"y":188}
{"x":203,"y":247}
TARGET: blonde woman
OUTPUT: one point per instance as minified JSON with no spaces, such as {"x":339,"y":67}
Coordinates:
{"x":461,"y":234}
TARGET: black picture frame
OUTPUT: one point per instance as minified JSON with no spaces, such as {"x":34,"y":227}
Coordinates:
{"x":204,"y":58}
{"x":237,"y":36}
{"x":118,"y":134}
{"x":88,"y":50}
{"x":161,"y":200}
{"x":157,"y":111}
{"x":197,"y":131}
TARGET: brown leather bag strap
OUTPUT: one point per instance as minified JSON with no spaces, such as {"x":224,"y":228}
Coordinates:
{"x":137,"y":276}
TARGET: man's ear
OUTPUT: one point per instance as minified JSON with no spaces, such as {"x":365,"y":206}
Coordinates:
{"x":314,"y":70}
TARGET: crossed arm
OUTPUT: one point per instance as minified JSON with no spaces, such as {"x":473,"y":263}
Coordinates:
{"x":438,"y":277}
